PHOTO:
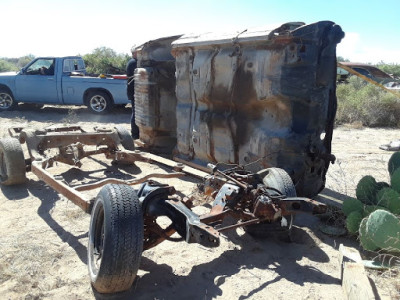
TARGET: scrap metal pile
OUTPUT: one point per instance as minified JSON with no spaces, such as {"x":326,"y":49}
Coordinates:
{"x":262,"y":202}
{"x":252,"y":112}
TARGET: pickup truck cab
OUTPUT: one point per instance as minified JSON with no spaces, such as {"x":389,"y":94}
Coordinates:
{"x":60,"y":81}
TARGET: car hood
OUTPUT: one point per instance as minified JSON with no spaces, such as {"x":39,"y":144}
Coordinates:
{"x":11,"y":73}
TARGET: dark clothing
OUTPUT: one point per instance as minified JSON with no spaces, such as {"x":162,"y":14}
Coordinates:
{"x":131,"y":66}
{"x":134,"y":127}
{"x":130,"y":69}
{"x":50,"y":70}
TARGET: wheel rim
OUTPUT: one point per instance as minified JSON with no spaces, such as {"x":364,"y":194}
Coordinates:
{"x":98,"y":103}
{"x":98,"y":240}
{"x":5,"y":101}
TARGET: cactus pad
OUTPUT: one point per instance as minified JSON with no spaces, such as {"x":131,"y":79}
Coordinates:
{"x":367,"y":189}
{"x":383,"y":228}
{"x":352,"y":204}
{"x":390,"y":199}
{"x":394,"y":162}
{"x":353,"y":221}
{"x":365,"y":240}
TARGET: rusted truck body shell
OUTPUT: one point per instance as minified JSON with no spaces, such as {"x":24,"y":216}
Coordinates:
{"x":264,"y":97}
{"x":155,"y":100}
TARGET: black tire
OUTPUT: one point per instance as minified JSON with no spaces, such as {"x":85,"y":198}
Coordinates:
{"x":281,"y":184}
{"x":115,"y":239}
{"x":7,"y":101}
{"x":12,"y":162}
{"x":99,"y":102}
{"x":125,"y":137}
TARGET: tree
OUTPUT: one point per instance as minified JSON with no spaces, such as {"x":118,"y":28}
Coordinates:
{"x":104,"y":60}
{"x":7,"y":66}
{"x":23,"y":61}
{"x":393,"y":69}
{"x":341,"y":59}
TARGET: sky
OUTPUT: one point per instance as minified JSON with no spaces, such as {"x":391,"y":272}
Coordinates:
{"x":61,"y":27}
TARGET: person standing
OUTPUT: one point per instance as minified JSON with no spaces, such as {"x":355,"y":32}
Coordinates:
{"x":130,"y":70}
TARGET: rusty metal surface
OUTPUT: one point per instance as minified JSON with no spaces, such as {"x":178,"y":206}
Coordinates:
{"x":237,"y":192}
{"x":155,"y":98}
{"x":300,"y":204}
{"x":69,"y":141}
{"x":143,"y":179}
{"x":242,"y":195}
{"x":76,"y":197}
{"x":260,"y":95}
{"x":154,"y":234}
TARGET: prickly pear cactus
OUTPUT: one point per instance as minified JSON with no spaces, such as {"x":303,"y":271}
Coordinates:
{"x":394,"y":162}
{"x":395,"y":180}
{"x":367,"y":189}
{"x":382,"y":184}
{"x":365,"y":240}
{"x":390,"y":199}
{"x":368,"y":209}
{"x":379,"y":204}
{"x":352,"y":204}
{"x":353,"y":221}
{"x":383,"y":229}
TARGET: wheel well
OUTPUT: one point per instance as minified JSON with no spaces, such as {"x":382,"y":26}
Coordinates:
{"x":7,"y":89}
{"x":95,"y":90}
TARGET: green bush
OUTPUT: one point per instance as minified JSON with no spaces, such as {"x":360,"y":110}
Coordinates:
{"x":102,"y":60}
{"x":367,"y":104}
{"x":393,"y":69}
{"x":6,"y":66}
{"x":106,"y":61}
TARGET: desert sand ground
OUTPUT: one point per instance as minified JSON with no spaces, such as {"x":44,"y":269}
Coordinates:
{"x":44,"y":236}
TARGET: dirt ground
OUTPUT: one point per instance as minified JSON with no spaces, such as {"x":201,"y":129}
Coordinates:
{"x":44,"y":236}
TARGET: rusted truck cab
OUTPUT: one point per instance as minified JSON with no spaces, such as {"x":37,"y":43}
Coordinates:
{"x":262,"y":98}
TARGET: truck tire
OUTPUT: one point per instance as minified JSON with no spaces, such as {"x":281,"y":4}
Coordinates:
{"x":115,"y":239}
{"x":99,"y":102}
{"x":7,"y":101}
{"x":280,"y":182}
{"x":125,"y":137}
{"x":12,"y":162}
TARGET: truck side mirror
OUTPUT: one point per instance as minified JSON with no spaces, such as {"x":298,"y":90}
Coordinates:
{"x":22,"y":71}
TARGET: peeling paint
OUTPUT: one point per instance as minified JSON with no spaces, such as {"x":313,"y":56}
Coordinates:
{"x":261,"y":97}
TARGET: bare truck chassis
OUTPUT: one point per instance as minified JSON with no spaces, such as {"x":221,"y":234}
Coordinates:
{"x":124,"y":220}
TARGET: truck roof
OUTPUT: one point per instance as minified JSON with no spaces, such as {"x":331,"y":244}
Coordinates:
{"x":63,"y":57}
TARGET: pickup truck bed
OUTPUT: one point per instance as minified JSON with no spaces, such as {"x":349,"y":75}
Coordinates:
{"x":50,"y":80}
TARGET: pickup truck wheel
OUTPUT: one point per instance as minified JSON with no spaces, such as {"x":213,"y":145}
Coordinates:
{"x":7,"y":101}
{"x":12,"y":162}
{"x":99,"y":102}
{"x":125,"y":137}
{"x":115,"y":239}
{"x":280,"y":183}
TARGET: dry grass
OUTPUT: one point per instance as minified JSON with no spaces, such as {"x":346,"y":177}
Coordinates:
{"x":388,"y":281}
{"x":23,"y":266}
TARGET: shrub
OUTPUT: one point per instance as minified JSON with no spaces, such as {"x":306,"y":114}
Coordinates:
{"x":393,"y":69}
{"x":363,"y":102}
{"x":105,"y":60}
{"x":7,"y":66}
